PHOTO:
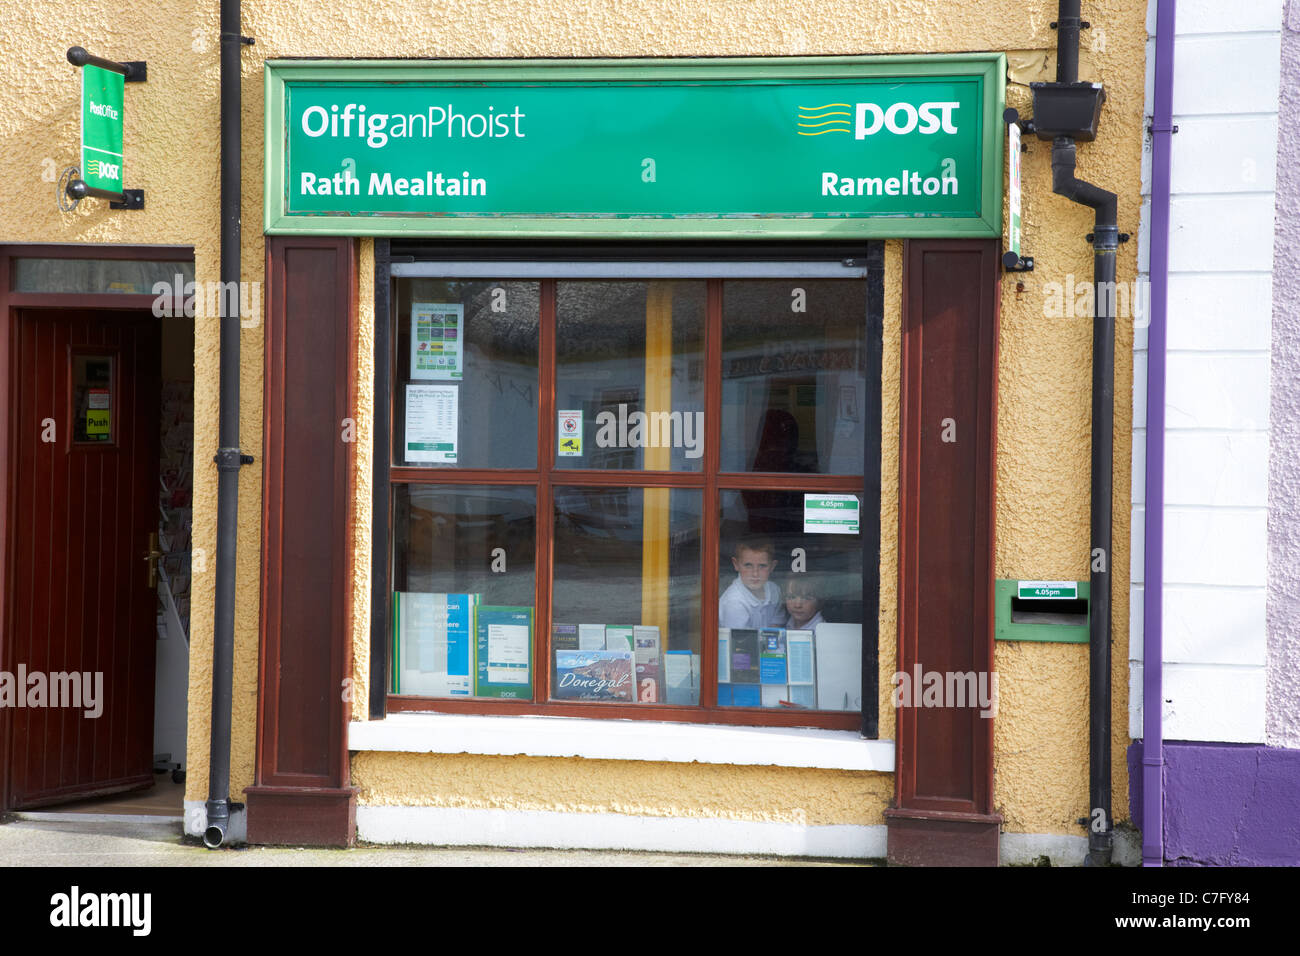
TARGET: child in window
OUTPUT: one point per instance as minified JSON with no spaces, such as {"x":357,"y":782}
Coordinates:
{"x":803,"y":604}
{"x":752,"y":600}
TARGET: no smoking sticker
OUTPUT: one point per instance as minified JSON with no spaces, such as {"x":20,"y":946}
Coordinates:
{"x":570,"y":434}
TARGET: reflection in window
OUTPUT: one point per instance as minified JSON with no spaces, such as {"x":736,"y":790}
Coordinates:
{"x":463,"y":577}
{"x":792,"y":376}
{"x":124,"y":276}
{"x":630,"y":375}
{"x":626,"y":602}
{"x":466,"y":373}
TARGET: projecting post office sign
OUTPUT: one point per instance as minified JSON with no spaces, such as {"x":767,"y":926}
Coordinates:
{"x":844,"y":147}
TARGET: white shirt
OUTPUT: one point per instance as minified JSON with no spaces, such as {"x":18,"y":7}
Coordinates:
{"x":810,"y":626}
{"x":739,"y":608}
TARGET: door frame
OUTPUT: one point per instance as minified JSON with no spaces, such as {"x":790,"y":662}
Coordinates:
{"x":943,"y":811}
{"x":10,"y":303}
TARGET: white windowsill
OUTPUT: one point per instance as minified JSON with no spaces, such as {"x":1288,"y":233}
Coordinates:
{"x":539,"y":736}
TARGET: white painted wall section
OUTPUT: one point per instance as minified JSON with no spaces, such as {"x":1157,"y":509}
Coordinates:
{"x":1222,"y":169}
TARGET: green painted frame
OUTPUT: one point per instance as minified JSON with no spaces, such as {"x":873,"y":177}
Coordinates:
{"x":990,"y":67}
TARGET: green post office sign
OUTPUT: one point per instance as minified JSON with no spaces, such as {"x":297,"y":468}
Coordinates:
{"x":844,"y":147}
{"x":101,"y":128}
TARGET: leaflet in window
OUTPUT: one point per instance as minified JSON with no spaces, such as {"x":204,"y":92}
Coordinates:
{"x":594,"y":675}
{"x":432,"y":423}
{"x":682,"y":678}
{"x":648,"y":664}
{"x":839,"y":667}
{"x":504,"y":652}
{"x":434,"y":643}
{"x":437,"y":340}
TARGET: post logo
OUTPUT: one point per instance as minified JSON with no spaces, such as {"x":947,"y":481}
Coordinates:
{"x":103,"y":170}
{"x":868,"y":119}
{"x":820,"y":120}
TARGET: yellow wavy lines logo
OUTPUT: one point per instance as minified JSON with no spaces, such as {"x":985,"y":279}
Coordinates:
{"x":103,"y":170}
{"x":827,"y":118}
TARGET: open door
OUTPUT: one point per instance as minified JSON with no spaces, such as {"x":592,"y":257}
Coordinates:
{"x":84,"y":425}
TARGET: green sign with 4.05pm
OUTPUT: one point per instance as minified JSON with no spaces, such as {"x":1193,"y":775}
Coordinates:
{"x":101,"y":128}
{"x":830,"y":147}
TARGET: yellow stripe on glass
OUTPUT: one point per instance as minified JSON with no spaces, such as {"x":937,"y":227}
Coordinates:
{"x":658,"y":456}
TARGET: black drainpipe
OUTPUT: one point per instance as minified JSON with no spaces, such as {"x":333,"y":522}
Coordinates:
{"x":229,"y":458}
{"x":1064,"y":112}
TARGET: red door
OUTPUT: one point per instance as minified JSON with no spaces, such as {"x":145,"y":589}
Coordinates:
{"x":85,"y":490}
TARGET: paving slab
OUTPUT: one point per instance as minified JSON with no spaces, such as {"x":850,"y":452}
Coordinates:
{"x":80,"y":840}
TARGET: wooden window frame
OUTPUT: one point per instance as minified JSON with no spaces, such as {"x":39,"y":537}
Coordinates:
{"x":544,"y":477}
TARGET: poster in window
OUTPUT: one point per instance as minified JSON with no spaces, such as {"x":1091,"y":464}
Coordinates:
{"x":436,"y":330}
{"x":432,"y":423}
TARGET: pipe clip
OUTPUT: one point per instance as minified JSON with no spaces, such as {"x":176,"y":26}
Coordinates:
{"x":231,"y":459}
{"x":1107,"y":237}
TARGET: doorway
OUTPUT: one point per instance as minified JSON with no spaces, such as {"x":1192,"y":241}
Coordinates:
{"x":86,"y":441}
{"x":97,"y":468}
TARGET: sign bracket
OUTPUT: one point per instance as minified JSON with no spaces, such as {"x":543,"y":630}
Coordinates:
{"x":1012,"y":260}
{"x":132,"y":71}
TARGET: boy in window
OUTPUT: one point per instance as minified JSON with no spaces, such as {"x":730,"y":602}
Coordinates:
{"x":752,"y":600}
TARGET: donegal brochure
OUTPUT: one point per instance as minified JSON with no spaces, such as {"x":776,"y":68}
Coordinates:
{"x":593,"y":675}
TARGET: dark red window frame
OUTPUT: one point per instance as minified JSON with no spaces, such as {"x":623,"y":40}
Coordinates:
{"x":545,"y":477}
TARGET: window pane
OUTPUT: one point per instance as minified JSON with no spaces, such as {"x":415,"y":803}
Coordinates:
{"x":466,"y":373}
{"x":129,"y":276}
{"x":463,"y":572}
{"x":793,"y":384}
{"x":626,"y":602}
{"x":629,"y":381}
{"x":790,"y":606}
{"x":92,"y":398}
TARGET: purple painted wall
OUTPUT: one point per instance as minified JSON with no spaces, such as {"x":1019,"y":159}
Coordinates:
{"x":1282,"y":713}
{"x":1226,"y":804}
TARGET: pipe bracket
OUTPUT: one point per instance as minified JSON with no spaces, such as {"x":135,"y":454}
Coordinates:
{"x":231,"y":459}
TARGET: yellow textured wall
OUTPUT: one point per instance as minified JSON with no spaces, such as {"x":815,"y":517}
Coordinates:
{"x":762,"y":794}
{"x":1044,"y":434}
{"x":1044,"y":371}
{"x":364,"y":405}
{"x":171,"y":149}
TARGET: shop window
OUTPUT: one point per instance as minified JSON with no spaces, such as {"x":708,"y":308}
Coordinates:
{"x":634,"y":495}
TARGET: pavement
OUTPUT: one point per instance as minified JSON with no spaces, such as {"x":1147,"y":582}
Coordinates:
{"x":87,"y":840}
